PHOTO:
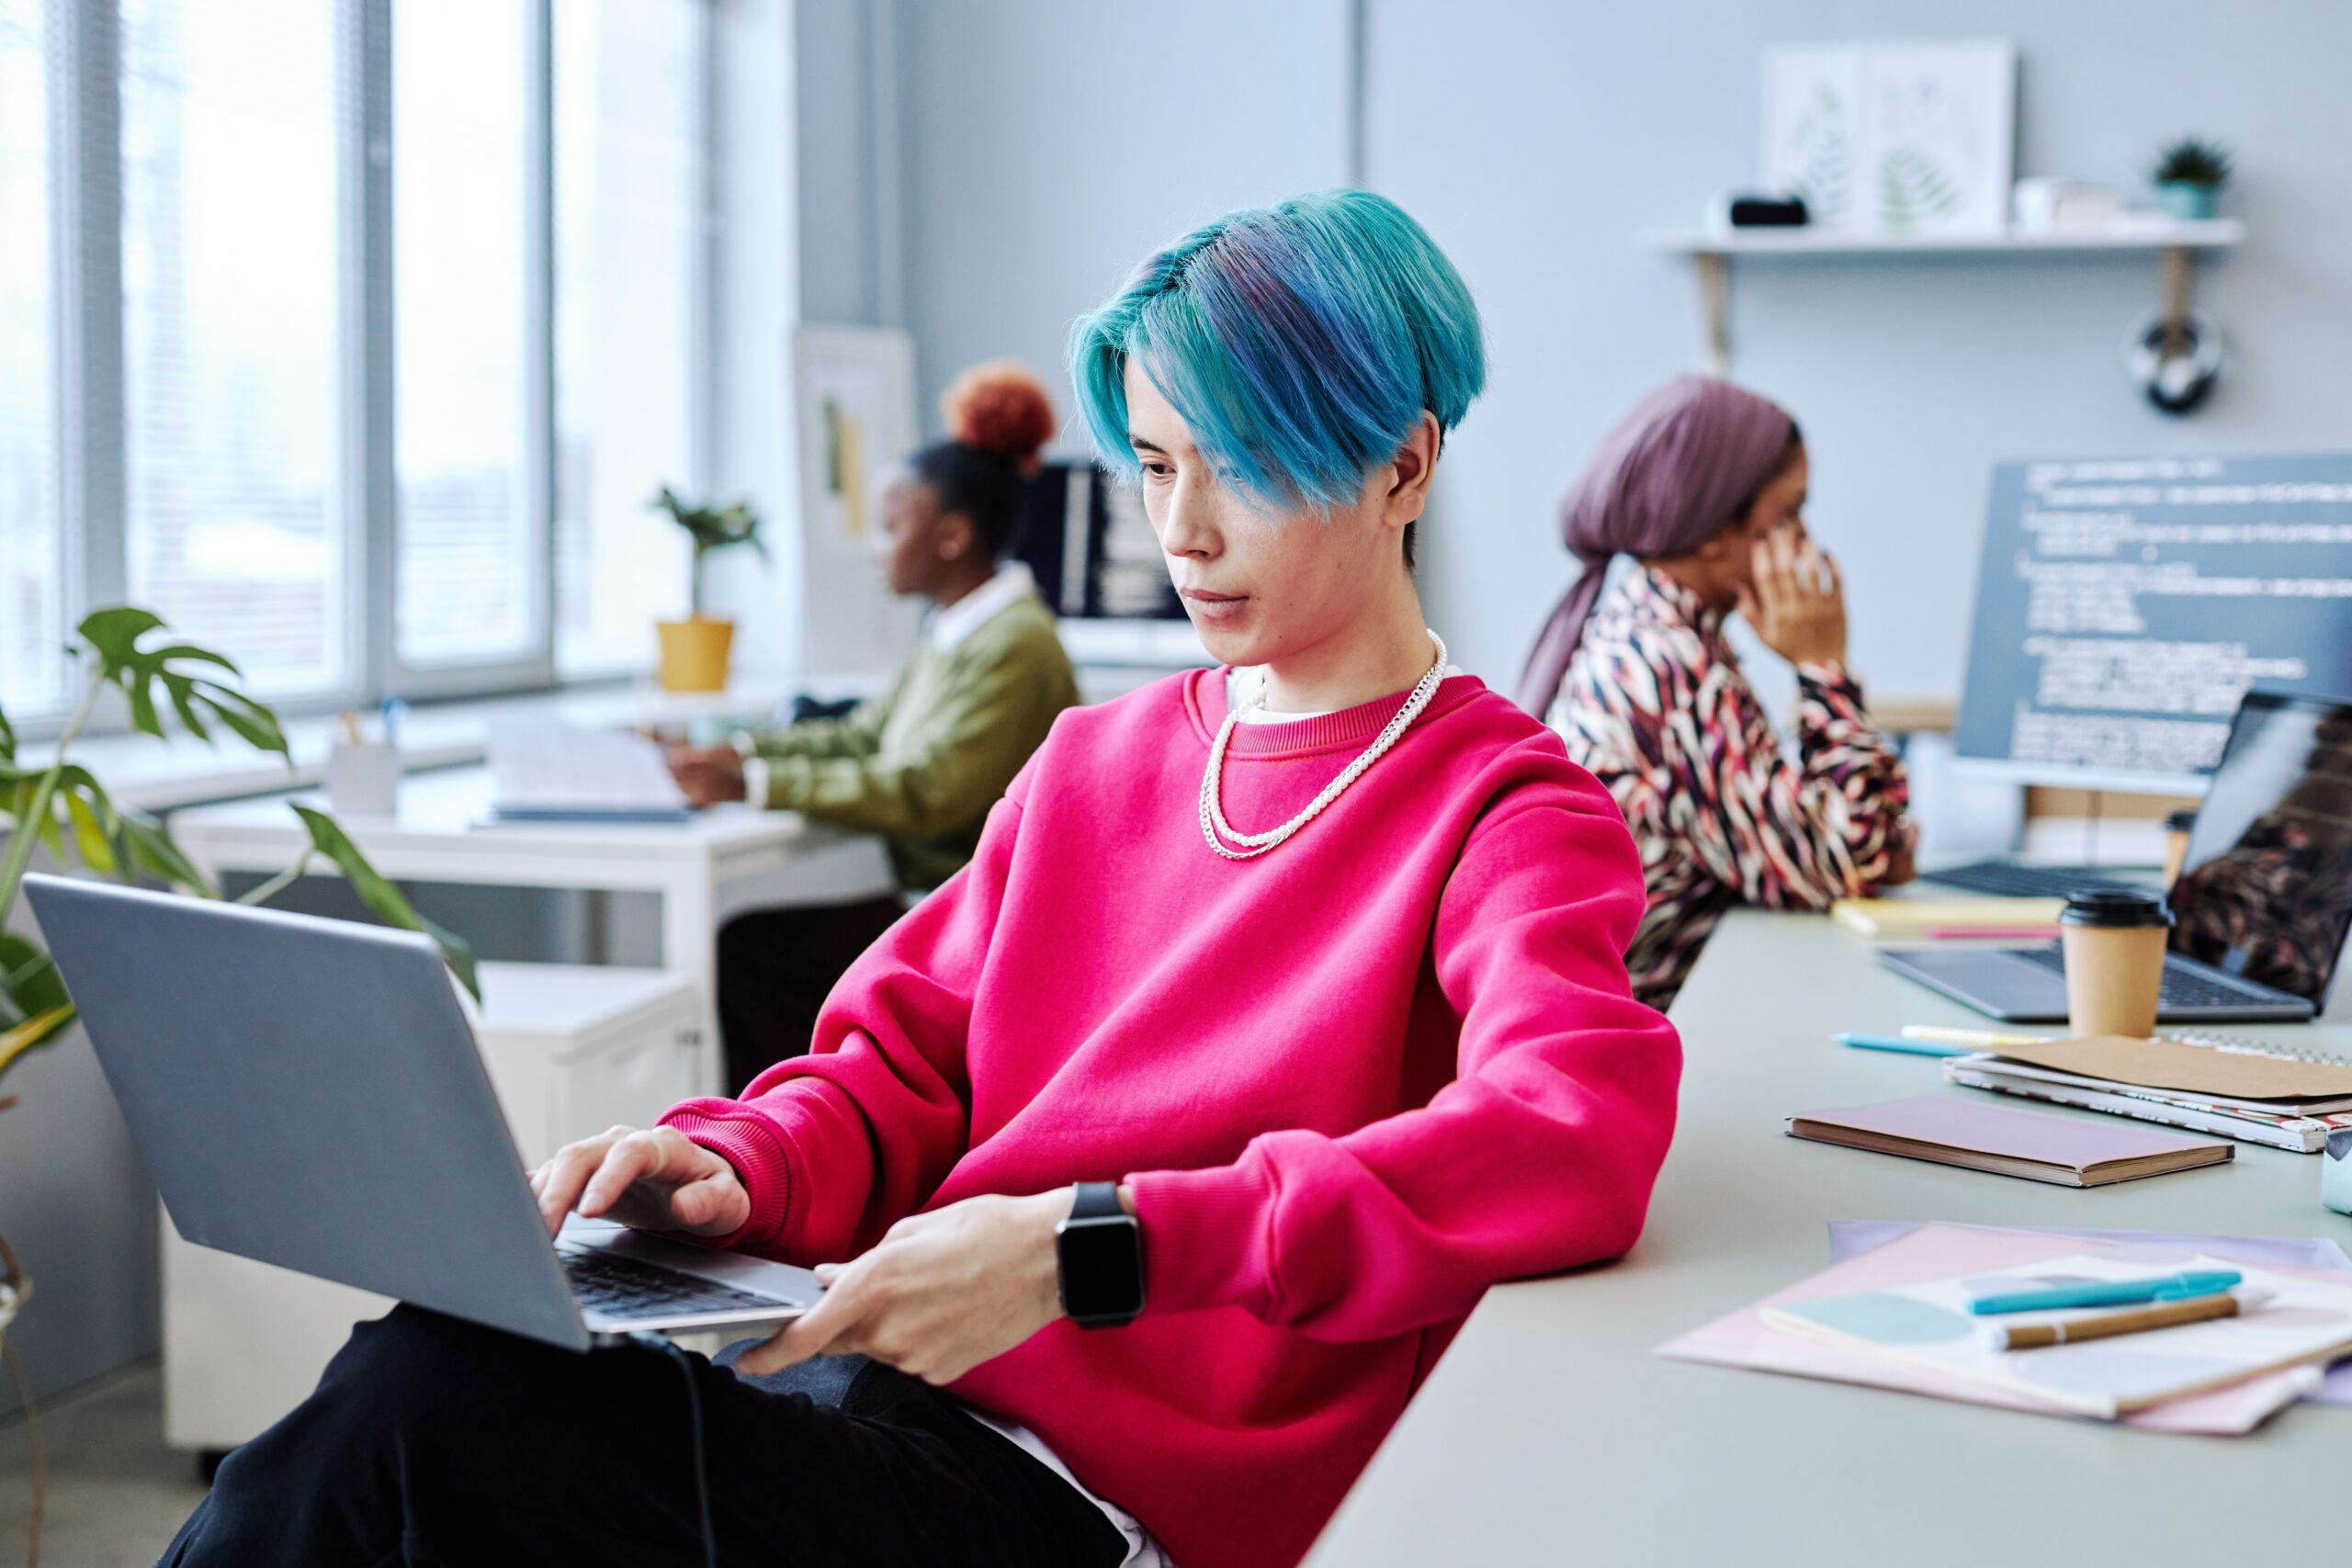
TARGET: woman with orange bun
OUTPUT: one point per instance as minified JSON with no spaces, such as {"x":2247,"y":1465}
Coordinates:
{"x":923,"y":763}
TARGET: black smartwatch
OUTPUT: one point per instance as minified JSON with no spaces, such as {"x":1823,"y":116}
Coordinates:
{"x":1100,"y":1250}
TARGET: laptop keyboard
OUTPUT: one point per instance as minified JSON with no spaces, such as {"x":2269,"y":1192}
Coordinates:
{"x":2181,"y":989}
{"x":2008,"y":879}
{"x":627,"y":1287}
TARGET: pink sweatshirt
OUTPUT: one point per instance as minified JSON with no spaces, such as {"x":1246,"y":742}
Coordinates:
{"x":1353,"y":1082}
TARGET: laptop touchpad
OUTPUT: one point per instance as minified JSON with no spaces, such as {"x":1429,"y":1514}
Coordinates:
{"x":2016,"y":985}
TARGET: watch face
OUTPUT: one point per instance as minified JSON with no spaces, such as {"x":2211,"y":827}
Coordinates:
{"x":1102,"y":1268}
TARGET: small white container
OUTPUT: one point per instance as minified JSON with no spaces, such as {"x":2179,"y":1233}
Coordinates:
{"x":2062,"y":206}
{"x":364,"y":780}
{"x":2335,"y":1171}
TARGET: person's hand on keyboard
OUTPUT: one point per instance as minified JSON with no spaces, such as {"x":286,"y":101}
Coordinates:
{"x":937,"y":1295}
{"x":649,"y":1180}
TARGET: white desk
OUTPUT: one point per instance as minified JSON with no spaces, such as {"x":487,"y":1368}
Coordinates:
{"x":1550,"y":1434}
{"x":727,"y":859}
{"x":164,"y":774}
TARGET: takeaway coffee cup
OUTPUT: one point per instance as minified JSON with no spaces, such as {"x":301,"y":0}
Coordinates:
{"x":2114,"y":944}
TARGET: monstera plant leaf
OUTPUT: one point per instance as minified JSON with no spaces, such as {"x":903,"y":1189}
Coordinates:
{"x":34,"y":1008}
{"x":181,"y":672}
{"x":143,"y":845}
{"x":380,"y":894}
{"x":62,"y":806}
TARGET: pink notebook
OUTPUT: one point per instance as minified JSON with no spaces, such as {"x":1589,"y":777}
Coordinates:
{"x":2067,"y":1150}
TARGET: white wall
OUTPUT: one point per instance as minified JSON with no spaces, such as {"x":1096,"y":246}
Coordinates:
{"x":1048,"y":144}
{"x":1536,"y":141}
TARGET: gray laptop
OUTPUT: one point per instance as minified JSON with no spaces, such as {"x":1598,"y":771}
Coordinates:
{"x":2263,"y":903}
{"x":308,"y":1092}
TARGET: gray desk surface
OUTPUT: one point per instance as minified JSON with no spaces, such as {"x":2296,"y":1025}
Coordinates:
{"x":1550,"y":1434}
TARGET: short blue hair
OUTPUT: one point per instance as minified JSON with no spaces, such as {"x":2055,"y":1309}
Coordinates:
{"x":1300,"y":343}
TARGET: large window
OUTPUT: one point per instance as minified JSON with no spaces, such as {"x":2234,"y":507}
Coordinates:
{"x":628,"y":243}
{"x":32,"y":534}
{"x":471,"y":561}
{"x":407,"y":296}
{"x":232,"y":476}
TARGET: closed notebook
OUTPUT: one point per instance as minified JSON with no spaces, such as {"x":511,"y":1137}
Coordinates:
{"x":2066,"y":1151}
{"x":1885,"y":919}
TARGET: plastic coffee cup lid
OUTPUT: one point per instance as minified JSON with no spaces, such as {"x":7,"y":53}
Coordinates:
{"x":2115,"y":906}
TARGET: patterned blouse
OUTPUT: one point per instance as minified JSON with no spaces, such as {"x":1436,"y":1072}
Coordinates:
{"x":1656,"y":705}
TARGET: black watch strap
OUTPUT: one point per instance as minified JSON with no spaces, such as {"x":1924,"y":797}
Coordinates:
{"x":1100,"y":1251}
{"x":1096,"y":1200}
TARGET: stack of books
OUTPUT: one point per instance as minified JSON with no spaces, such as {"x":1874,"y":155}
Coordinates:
{"x":2257,"y":1092}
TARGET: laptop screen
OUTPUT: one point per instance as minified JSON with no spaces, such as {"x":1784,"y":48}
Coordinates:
{"x":2266,"y":890}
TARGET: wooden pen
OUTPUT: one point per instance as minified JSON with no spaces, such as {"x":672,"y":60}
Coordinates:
{"x":2167,"y":1314}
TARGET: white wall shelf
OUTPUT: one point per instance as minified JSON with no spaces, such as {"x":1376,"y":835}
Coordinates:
{"x":2172,"y":241}
{"x":2210,"y":234}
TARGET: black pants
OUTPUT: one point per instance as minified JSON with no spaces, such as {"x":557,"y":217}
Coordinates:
{"x":776,"y":967}
{"x":434,"y":1442}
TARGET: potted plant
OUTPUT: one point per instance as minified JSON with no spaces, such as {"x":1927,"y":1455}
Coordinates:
{"x":695,"y":650}
{"x":61,"y":804}
{"x":2189,"y":175}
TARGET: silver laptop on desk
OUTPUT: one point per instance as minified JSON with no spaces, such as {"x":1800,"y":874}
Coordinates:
{"x":2264,"y":901}
{"x":308,"y":1092}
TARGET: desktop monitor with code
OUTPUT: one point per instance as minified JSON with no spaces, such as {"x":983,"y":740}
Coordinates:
{"x":2125,"y":607}
{"x":1091,"y":549}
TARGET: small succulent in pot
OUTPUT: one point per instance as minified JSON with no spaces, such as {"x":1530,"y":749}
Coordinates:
{"x":2188,"y":176}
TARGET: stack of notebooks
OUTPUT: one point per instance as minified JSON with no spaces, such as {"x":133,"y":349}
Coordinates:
{"x":1938,"y":920}
{"x":2244,"y":1089}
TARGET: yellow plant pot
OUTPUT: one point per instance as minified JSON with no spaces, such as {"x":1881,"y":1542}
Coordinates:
{"x":694,"y":654}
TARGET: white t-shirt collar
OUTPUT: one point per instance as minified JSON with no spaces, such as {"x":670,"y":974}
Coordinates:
{"x":951,"y":625}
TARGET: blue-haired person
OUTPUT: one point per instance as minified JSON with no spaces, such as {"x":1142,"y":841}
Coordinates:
{"x":1152,"y":1161}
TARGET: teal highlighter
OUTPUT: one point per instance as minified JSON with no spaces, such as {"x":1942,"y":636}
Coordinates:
{"x":2179,"y":1287}
{"x":1908,"y":1047}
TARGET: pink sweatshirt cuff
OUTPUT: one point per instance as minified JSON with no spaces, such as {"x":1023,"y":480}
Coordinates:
{"x":1205,"y":1236}
{"x":762,"y":1159}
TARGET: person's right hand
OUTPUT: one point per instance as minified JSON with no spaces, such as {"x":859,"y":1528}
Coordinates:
{"x":1798,"y":602}
{"x":649,"y":1180}
{"x":708,"y":775}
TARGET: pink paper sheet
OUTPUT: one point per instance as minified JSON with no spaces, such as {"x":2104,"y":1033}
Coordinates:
{"x":1850,"y":1238}
{"x":1937,"y":1252}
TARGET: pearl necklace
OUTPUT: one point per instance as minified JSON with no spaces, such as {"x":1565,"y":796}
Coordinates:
{"x":1217,"y":830}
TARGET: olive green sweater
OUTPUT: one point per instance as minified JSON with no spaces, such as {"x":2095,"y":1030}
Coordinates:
{"x":923,"y":763}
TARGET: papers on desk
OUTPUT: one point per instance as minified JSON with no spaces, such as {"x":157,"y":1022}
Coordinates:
{"x":548,"y":771}
{"x":2252,"y":1386}
{"x":2290,"y":1320}
{"x":1851,"y":1238}
{"x":2286,"y":1102}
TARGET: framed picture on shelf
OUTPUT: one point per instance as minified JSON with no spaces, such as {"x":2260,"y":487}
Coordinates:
{"x":1893,"y":140}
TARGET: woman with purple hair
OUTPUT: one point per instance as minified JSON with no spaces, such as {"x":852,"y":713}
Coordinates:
{"x":1704,"y":485}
